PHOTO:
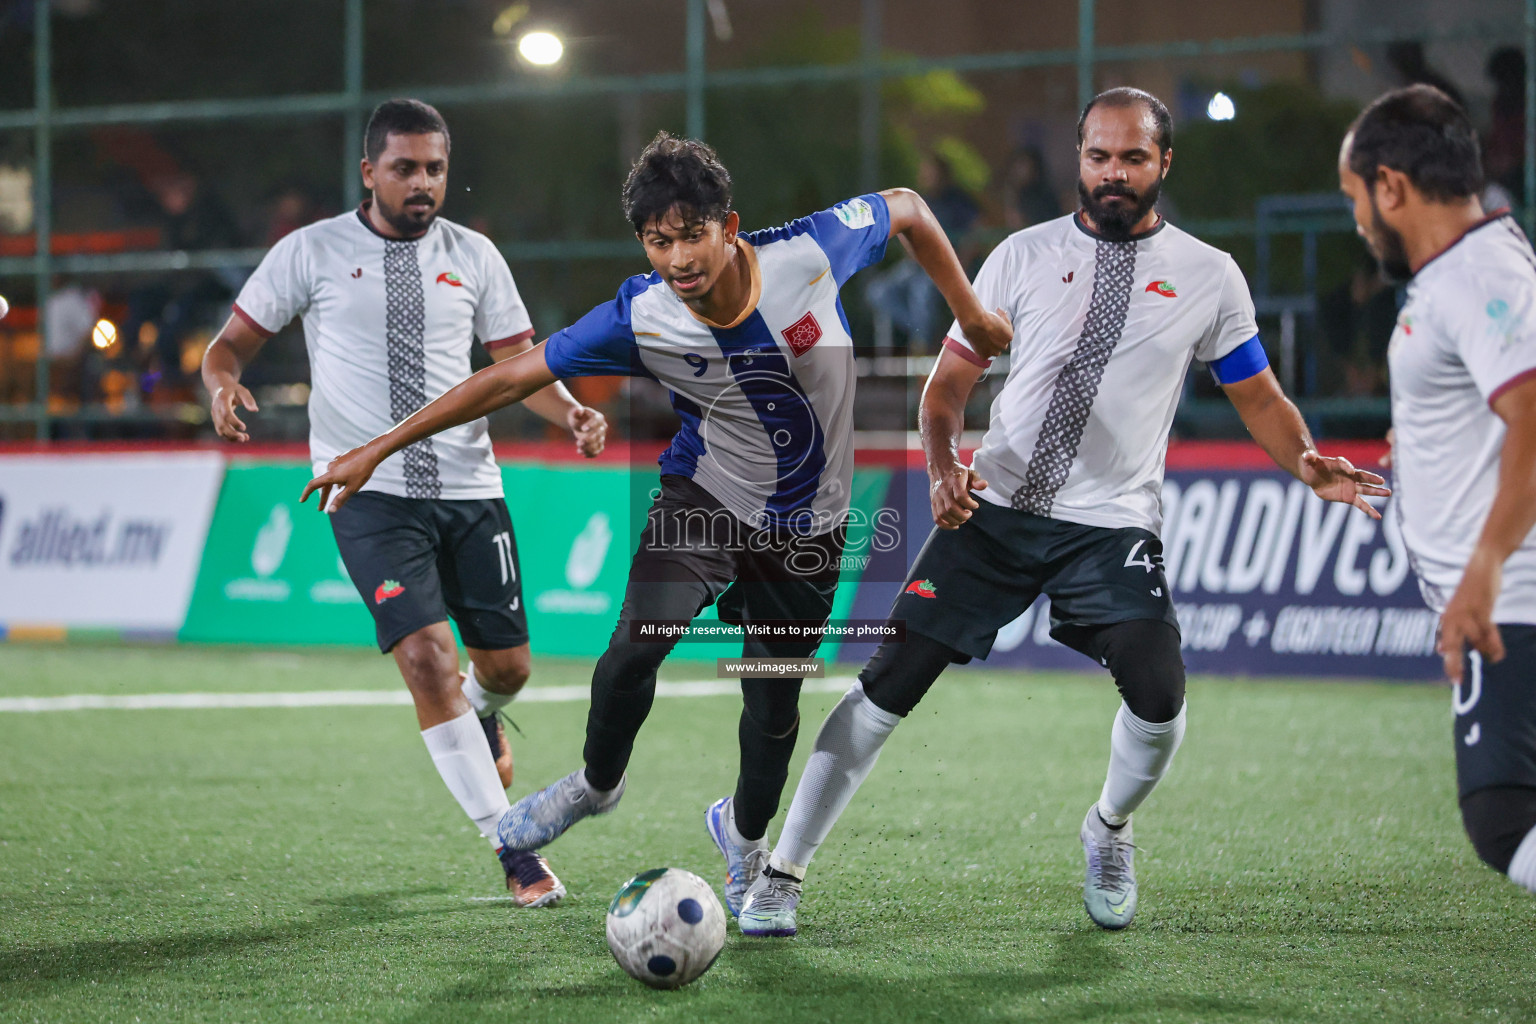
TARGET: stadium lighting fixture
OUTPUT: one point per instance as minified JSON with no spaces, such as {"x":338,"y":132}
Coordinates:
{"x":541,"y":48}
{"x":104,"y":334}
{"x":1221,"y":108}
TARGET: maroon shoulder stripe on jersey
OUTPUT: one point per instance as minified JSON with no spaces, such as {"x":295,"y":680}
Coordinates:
{"x":1515,"y":381}
{"x":251,"y":321}
{"x":492,"y":346}
{"x":966,"y":353}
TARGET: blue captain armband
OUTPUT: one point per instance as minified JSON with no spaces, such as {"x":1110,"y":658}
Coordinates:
{"x":1241,"y":363}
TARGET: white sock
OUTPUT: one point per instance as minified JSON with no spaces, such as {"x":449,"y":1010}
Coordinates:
{"x":846,"y":749}
{"x":1522,"y":870}
{"x":463,"y":759}
{"x":485,"y":702}
{"x":1139,"y":755}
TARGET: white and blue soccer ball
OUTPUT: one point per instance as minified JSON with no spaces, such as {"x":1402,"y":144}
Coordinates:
{"x":666,"y":927}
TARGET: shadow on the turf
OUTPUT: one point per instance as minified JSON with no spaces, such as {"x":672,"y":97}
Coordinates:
{"x":782,"y":975}
{"x":93,"y":959}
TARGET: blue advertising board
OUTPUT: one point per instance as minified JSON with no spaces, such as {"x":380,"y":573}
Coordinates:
{"x":1268,"y":580}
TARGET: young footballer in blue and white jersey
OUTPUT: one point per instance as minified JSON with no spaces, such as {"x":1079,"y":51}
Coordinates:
{"x":747,"y":332}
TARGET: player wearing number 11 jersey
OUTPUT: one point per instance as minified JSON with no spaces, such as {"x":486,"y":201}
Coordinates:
{"x":392,"y":297}
{"x":1110,"y":306}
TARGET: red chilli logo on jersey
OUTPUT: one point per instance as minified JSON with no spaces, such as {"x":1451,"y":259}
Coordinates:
{"x":802,"y":334}
{"x":922,"y":588}
{"x":387,"y":590}
{"x":1163,"y":288}
{"x":450,"y":278}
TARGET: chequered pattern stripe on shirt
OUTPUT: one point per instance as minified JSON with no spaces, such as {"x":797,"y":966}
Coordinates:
{"x":405,"y":320}
{"x":1114,"y":268}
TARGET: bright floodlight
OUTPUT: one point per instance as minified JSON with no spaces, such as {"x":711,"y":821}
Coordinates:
{"x":1221,"y":108}
{"x":104,"y":334}
{"x":542,"y":48}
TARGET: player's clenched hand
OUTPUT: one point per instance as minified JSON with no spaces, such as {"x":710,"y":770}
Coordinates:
{"x":1468,"y":616}
{"x":346,"y":475}
{"x":1336,"y":479}
{"x":991,"y":335}
{"x":949,"y":490}
{"x":590,"y":428}
{"x":225,"y":421}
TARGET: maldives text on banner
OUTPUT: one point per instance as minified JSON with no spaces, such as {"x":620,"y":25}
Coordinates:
{"x":1268,"y":579}
{"x":103,"y":541}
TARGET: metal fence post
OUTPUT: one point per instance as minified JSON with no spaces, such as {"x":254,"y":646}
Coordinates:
{"x":870,"y":35}
{"x":42,"y":199}
{"x":352,"y":146}
{"x":1530,"y":119}
{"x":695,"y":121}
{"x":1085,"y":34}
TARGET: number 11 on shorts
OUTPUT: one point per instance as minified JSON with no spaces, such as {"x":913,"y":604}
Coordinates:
{"x":503,"y":542}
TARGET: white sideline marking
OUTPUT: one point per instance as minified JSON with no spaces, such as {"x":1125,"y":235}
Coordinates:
{"x":358,"y":698}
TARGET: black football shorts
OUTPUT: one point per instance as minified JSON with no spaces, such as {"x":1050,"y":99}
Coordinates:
{"x":417,"y":561}
{"x":1495,"y":722}
{"x":968,"y":583}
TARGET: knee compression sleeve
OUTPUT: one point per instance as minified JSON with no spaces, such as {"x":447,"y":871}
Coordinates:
{"x":1143,"y":656}
{"x":900,"y":673}
{"x":1497,"y":820}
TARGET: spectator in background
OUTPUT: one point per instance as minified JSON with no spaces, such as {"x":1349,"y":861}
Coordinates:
{"x":1504,"y":144}
{"x":71,"y":314}
{"x":904,"y":296}
{"x":1028,"y":198}
{"x":192,"y":218}
{"x":291,"y":208}
{"x":1408,"y":60}
{"x":1356,"y":321}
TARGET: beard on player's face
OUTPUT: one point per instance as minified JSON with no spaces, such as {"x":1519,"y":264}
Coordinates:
{"x":1115,"y":208}
{"x":1386,"y":244}
{"x":414,"y":215}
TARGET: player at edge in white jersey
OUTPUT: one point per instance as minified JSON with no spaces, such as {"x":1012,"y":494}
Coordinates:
{"x":392,"y":297}
{"x":1111,"y":304}
{"x":1462,"y":363}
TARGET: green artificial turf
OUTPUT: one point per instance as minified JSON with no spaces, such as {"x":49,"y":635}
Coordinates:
{"x":1303,"y":861}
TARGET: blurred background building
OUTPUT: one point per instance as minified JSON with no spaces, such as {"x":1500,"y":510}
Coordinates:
{"x":151,"y":151}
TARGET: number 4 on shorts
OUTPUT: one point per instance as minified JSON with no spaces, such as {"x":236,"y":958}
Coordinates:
{"x":1145,"y":561}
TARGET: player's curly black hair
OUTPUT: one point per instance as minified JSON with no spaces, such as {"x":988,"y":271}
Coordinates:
{"x":684,"y":173}
{"x":401,"y":117}
{"x":1125,"y":96}
{"x":1423,"y":133}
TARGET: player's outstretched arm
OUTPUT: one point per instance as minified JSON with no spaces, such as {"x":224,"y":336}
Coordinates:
{"x":1468,"y":616}
{"x":484,"y":392}
{"x":989,"y":333}
{"x":557,"y":405}
{"x":224,"y":361}
{"x":940,"y":420}
{"x":1276,"y":424}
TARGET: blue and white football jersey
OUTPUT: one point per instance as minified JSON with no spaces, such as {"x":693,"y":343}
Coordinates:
{"x":766,"y":402}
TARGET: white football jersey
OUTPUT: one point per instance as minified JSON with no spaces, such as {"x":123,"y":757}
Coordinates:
{"x":1103,"y":335}
{"x":388,"y":324}
{"x":766,"y":402}
{"x":1466,"y":334}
